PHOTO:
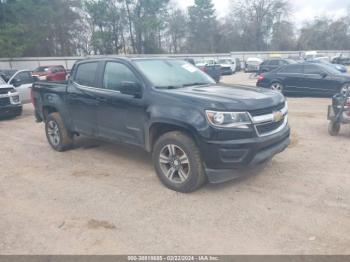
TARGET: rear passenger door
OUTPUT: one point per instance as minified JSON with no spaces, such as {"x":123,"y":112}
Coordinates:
{"x":82,"y":97}
{"x":291,"y":75}
{"x":120,"y":117}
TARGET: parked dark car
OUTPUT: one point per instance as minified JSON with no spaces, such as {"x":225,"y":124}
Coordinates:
{"x":339,"y":67}
{"x":50,"y":73}
{"x":341,"y":60}
{"x":196,"y":129}
{"x":10,"y":103}
{"x":272,"y":64}
{"x":211,"y":68}
{"x":305,"y":78}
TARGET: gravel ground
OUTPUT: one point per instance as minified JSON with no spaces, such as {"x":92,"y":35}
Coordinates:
{"x":106,"y":199}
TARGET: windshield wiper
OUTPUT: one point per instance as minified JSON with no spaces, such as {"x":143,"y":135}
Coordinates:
{"x":195,"y":84}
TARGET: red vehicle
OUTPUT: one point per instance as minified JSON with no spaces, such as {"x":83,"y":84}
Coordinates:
{"x":50,"y":73}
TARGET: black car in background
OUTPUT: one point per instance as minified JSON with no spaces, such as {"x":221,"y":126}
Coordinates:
{"x":341,"y":60}
{"x":272,"y":64}
{"x":305,"y":78}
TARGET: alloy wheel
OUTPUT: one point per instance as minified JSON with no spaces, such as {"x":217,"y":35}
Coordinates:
{"x":174,"y":163}
{"x":53,"y":133}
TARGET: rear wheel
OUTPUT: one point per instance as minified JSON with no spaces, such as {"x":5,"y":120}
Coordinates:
{"x":333,"y":128}
{"x":277,"y":86}
{"x":57,"y":134}
{"x":178,"y":162}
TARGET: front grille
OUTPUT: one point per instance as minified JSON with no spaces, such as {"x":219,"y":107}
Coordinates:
{"x":268,"y":110}
{"x":5,"y":90}
{"x":269,"y":127}
{"x":4,"y":101}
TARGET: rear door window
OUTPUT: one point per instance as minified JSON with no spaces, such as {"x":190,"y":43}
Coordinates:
{"x":274,"y":63}
{"x":312,"y":70}
{"x":86,"y":74}
{"x":292,"y":69}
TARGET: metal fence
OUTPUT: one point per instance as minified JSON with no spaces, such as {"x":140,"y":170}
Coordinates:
{"x":67,"y":62}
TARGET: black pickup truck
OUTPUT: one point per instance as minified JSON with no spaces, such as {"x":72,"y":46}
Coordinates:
{"x":194,"y":128}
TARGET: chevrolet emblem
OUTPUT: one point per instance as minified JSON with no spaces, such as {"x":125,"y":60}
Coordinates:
{"x":277,"y":116}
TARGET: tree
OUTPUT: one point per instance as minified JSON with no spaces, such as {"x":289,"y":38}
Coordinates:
{"x":256,"y":18}
{"x":38,"y":27}
{"x":106,"y":21}
{"x":202,"y":27}
{"x":146,"y":19}
{"x":324,"y":33}
{"x":283,"y":36}
{"x":176,"y":24}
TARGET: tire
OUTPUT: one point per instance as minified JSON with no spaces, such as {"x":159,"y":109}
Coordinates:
{"x":183,"y":166}
{"x":277,"y":86}
{"x":57,"y":134}
{"x":333,"y":128}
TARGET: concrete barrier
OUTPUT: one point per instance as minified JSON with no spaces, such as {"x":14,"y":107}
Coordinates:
{"x":67,"y":62}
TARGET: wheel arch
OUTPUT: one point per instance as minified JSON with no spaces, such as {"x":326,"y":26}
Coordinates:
{"x":159,"y":128}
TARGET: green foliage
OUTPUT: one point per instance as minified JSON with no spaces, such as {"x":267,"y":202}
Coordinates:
{"x":38,"y":27}
{"x":202,"y":27}
{"x":324,"y":33}
{"x":78,"y":27}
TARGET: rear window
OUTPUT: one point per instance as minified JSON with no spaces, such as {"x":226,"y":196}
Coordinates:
{"x":292,"y":69}
{"x":86,"y":74}
{"x":274,"y":62}
{"x":42,"y":69}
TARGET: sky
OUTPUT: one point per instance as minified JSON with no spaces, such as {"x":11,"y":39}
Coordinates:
{"x":302,"y":10}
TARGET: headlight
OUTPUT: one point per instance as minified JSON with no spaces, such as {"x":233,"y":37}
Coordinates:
{"x":229,"y":119}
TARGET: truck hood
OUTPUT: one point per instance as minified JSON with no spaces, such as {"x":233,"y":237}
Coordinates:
{"x":229,"y":97}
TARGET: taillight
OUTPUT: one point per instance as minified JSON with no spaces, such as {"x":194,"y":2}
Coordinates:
{"x":260,"y":77}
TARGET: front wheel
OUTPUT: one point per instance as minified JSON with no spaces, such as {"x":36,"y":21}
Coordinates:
{"x":57,"y":134}
{"x":333,"y":128}
{"x":178,"y":162}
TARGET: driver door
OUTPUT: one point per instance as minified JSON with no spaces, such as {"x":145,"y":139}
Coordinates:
{"x":23,"y":81}
{"x":120,"y":116}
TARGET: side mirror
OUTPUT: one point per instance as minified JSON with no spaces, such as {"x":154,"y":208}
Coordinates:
{"x":16,"y":82}
{"x":323,"y":75}
{"x":131,"y":88}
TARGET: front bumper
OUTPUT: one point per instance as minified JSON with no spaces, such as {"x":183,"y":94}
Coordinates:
{"x":11,"y":110}
{"x":222,"y":158}
{"x":10,"y":105}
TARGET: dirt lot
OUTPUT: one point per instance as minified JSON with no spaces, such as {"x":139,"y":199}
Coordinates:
{"x":106,"y":199}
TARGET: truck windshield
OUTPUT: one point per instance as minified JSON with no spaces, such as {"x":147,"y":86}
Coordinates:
{"x":171,"y":73}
